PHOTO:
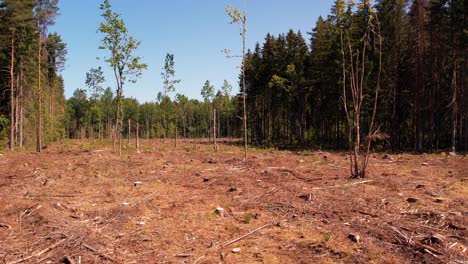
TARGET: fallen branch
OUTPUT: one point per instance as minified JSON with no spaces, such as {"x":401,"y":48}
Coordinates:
{"x":265,"y":193}
{"x":50,"y":195}
{"x":434,"y":252}
{"x":68,"y":259}
{"x":146,"y":198}
{"x":105,"y":256}
{"x":365,"y":213}
{"x":183,"y":255}
{"x":336,"y":166}
{"x":2,"y":225}
{"x":342,"y":185}
{"x":39,"y":253}
{"x":198,"y":259}
{"x":246,"y":235}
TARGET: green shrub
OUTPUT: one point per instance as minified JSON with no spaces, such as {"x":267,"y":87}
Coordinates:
{"x":4,"y":126}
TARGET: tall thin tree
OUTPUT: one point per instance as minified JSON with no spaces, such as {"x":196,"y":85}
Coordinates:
{"x":240,"y":18}
{"x":125,"y":65}
{"x":358,"y":74}
{"x":46,"y":11}
{"x":169,"y":83}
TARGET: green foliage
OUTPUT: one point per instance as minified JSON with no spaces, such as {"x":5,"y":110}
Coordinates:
{"x":46,"y":11}
{"x":237,"y":17}
{"x":120,"y":45}
{"x":56,"y":53}
{"x":207,"y":91}
{"x":247,"y":218}
{"x":94,"y":80}
{"x":168,"y":75}
{"x":4,"y":126}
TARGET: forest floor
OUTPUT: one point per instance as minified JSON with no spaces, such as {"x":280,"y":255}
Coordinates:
{"x":79,"y":203}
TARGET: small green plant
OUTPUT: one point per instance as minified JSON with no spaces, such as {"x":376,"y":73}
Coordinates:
{"x":327,"y":237}
{"x":188,"y":148}
{"x":4,"y":126}
{"x":247,"y":218}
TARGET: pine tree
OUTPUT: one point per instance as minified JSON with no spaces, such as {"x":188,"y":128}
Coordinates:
{"x":16,"y":16}
{"x":56,"y":52}
{"x":45,"y":11}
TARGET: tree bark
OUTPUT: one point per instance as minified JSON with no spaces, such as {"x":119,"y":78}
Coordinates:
{"x":244,"y":29}
{"x":39,"y":95}
{"x":11,"y":144}
{"x":129,"y":132}
{"x":21,"y":114}
{"x":454,"y":108}
{"x":137,"y":133}
{"x":214,"y":130}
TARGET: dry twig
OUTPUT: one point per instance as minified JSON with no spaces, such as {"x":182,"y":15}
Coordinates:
{"x":246,"y":235}
{"x":39,"y":253}
{"x":342,"y":185}
{"x":103,"y":255}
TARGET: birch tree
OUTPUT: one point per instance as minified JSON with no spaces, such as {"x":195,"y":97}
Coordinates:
{"x":126,"y":66}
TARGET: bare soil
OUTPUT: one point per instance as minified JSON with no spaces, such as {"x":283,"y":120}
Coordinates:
{"x":80,"y":203}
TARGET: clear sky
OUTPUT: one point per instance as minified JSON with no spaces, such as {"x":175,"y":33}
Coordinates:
{"x":195,"y":31}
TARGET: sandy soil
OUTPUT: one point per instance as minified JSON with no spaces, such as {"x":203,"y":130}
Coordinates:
{"x":80,"y":203}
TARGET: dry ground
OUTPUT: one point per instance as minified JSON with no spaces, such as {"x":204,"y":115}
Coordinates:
{"x":78,"y":203}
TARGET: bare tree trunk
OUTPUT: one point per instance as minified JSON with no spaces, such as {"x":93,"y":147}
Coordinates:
{"x":244,"y":30}
{"x":137,"y":132}
{"x":374,"y":112}
{"x":358,"y":159}
{"x":129,"y":131}
{"x":118,"y":120}
{"x":184,"y":125}
{"x":51,"y":105}
{"x":11,"y":144}
{"x":345,"y":104}
{"x":17,"y":107}
{"x":214,"y":130}
{"x":219,"y":125}
{"x":454,"y":109}
{"x":21,"y":115}
{"x":39,"y":95}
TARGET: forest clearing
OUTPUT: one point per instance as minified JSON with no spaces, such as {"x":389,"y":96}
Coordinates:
{"x":333,"y":132}
{"x":81,"y":203}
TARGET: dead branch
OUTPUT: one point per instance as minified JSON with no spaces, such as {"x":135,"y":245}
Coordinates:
{"x":434,"y":252}
{"x":7,"y":226}
{"x":39,"y":253}
{"x":198,"y":259}
{"x":366,"y":213}
{"x":246,"y":235}
{"x":342,"y":185}
{"x":183,"y":255}
{"x":68,"y":259}
{"x":146,"y":198}
{"x":103,"y":255}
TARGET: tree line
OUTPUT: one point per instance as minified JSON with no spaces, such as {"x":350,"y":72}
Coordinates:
{"x":92,"y":115}
{"x":294,"y":85}
{"x":31,"y":88}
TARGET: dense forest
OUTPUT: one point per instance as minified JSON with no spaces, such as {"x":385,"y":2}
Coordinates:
{"x":294,"y":83}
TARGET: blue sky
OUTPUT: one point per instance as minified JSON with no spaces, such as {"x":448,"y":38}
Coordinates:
{"x":195,"y":31}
